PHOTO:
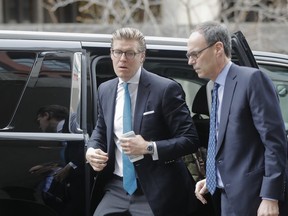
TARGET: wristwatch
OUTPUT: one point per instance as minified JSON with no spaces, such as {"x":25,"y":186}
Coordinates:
{"x":150,"y":147}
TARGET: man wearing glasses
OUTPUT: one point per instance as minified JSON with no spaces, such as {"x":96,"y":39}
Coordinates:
{"x":247,"y":150}
{"x":153,"y":111}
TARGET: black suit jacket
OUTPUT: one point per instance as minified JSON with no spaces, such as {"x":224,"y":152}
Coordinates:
{"x":166,"y":183}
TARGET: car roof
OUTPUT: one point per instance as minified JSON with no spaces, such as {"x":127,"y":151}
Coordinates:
{"x":93,"y":39}
{"x":89,"y":39}
{"x":270,"y":57}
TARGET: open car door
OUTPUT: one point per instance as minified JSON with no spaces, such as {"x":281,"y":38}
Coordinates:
{"x":241,"y":52}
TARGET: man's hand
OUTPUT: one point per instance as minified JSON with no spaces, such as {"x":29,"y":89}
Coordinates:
{"x":201,"y":190}
{"x":44,"y":169}
{"x":62,"y":174}
{"x":268,"y":208}
{"x":97,"y":158}
{"x":134,"y":145}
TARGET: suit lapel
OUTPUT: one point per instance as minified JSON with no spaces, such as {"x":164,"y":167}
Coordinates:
{"x":142,"y":96}
{"x":229,"y":88}
{"x":110,"y":106}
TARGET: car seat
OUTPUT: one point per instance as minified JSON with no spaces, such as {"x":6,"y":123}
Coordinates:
{"x":201,"y":110}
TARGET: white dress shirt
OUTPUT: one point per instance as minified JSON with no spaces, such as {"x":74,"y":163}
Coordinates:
{"x":118,"y":117}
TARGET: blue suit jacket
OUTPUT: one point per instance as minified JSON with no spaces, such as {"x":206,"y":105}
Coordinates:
{"x":252,"y":147}
{"x":166,"y":183}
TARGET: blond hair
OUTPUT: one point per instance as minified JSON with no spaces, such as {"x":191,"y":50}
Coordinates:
{"x":130,"y":34}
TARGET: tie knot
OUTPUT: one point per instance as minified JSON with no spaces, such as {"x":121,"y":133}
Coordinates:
{"x":215,"y":88}
{"x":125,"y":85}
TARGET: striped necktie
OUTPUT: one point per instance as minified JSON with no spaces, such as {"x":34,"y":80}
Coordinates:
{"x":211,"y":181}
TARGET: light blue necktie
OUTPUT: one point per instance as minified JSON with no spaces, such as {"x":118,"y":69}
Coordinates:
{"x":211,"y":164}
{"x":129,"y":178}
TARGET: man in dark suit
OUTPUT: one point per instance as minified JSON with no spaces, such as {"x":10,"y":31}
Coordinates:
{"x":164,"y":133}
{"x":251,"y":147}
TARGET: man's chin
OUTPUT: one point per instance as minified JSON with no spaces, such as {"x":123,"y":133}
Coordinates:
{"x":200,"y":75}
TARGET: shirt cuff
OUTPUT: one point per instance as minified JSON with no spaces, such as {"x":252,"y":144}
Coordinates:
{"x":264,"y":198}
{"x":72,"y":165}
{"x":155,"y":153}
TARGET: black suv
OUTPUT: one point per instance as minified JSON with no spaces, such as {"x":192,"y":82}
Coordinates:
{"x":41,"y":68}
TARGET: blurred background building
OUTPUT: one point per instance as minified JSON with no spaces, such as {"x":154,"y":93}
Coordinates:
{"x":263,"y":22}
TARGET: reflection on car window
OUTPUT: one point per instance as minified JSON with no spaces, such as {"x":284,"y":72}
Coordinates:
{"x":49,"y":83}
{"x":15,"y":68}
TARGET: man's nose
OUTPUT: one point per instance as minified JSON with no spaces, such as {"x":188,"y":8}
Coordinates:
{"x":123,"y":56}
{"x":191,"y":61}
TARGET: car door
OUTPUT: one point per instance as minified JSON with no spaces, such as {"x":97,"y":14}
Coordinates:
{"x":35,"y":74}
{"x":241,"y":52}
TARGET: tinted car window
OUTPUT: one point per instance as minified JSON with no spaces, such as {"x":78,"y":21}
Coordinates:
{"x":178,"y":70}
{"x":49,"y":83}
{"x":15,"y":68}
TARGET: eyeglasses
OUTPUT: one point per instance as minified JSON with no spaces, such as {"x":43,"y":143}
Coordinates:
{"x":196,"y":54}
{"x":128,"y":54}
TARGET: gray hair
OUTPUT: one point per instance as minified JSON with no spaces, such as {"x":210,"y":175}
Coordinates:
{"x":214,"y":32}
{"x":130,"y":34}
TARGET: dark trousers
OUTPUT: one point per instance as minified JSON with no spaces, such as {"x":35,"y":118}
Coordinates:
{"x":117,"y":201}
{"x":216,"y":202}
{"x":221,"y":204}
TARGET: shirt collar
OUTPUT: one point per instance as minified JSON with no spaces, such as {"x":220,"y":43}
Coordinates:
{"x":221,"y":78}
{"x":135,"y":79}
{"x":60,"y":126}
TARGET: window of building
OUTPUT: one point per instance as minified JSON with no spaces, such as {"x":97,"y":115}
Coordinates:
{"x":19,"y":11}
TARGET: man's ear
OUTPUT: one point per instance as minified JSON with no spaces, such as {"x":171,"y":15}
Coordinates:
{"x":47,"y":115}
{"x":219,"y":47}
{"x":143,"y":57}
